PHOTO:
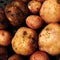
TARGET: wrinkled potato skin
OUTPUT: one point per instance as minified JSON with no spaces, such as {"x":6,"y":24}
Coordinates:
{"x":49,"y":39}
{"x":25,"y":41}
{"x":34,"y":6}
{"x":5,"y":38}
{"x":38,"y":55}
{"x":50,"y":11}
{"x":34,"y":21}
{"x":15,"y":57}
{"x":16,"y":12}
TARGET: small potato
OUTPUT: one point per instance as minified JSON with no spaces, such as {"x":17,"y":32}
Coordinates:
{"x":34,"y":21}
{"x":16,"y":12}
{"x":38,"y":55}
{"x":5,"y":38}
{"x":49,"y":39}
{"x":25,"y":41}
{"x":15,"y":57}
{"x":3,"y":53}
{"x":50,"y":11}
{"x":34,"y":6}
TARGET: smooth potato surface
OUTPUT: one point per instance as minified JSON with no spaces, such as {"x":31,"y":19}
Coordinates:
{"x":49,"y":39}
{"x":50,"y":11}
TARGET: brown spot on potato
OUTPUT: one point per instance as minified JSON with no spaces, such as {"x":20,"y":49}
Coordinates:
{"x":8,"y":11}
{"x":24,"y":33}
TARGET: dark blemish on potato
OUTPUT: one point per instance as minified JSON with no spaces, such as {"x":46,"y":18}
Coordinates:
{"x":12,"y":14}
{"x":8,"y":11}
{"x":58,"y":1}
{"x":39,"y":35}
{"x":3,"y":34}
{"x":47,"y":29}
{"x":16,"y":48}
{"x":30,"y":37}
{"x":24,"y":33}
{"x":33,"y":39}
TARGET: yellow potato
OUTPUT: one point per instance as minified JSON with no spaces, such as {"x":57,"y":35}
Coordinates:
{"x":34,"y":6}
{"x":25,"y":41}
{"x":49,"y":39}
{"x":50,"y":11}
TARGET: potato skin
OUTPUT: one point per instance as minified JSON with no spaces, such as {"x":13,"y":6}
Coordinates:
{"x":15,"y":57}
{"x":50,"y":11}
{"x":49,"y":39}
{"x":25,"y":41}
{"x":5,"y":38}
{"x":39,"y":55}
{"x":34,"y":6}
{"x":16,"y":12}
{"x":34,"y":21}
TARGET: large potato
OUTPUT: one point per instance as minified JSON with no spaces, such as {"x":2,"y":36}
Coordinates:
{"x":15,"y":57}
{"x":50,"y":11}
{"x":16,"y":12}
{"x":49,"y":39}
{"x":25,"y":41}
{"x":5,"y":38}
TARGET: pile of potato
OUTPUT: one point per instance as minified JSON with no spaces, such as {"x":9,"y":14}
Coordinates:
{"x":30,"y":30}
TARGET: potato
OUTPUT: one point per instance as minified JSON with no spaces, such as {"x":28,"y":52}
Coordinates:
{"x":3,"y":21}
{"x":5,"y":38}
{"x":49,"y":39}
{"x":15,"y":57}
{"x":39,"y":55}
{"x":16,"y":12}
{"x":34,"y":21}
{"x":50,"y":11}
{"x":34,"y":6}
{"x":25,"y":41}
{"x":3,"y":53}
